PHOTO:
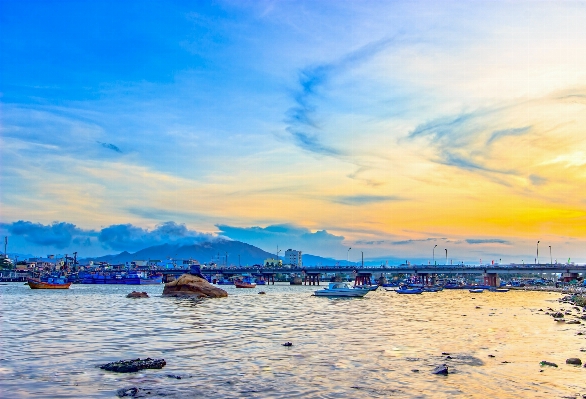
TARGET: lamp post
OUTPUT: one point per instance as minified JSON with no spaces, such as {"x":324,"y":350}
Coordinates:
{"x":550,"y":258}
{"x":446,"y":256}
{"x":537,"y":258}
{"x":348,"y":257}
{"x":433,"y":253}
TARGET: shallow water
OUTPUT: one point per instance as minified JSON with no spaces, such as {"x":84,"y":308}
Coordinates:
{"x":52,"y":341}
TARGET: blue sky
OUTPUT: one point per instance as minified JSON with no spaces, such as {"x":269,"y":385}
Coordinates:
{"x":375,"y":123}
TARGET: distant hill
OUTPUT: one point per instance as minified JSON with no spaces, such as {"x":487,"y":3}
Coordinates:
{"x":216,"y":251}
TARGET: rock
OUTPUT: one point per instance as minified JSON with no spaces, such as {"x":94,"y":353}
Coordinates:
{"x":445,"y":353}
{"x":490,"y":355}
{"x":193,"y":286}
{"x":131,"y":366}
{"x":415,"y":370}
{"x":573,"y":322}
{"x":448,"y":357}
{"x":546,"y":363}
{"x":177,"y":377}
{"x":136,"y":294}
{"x":574,"y":360}
{"x":557,"y":315}
{"x":287,"y":344}
{"x":261,"y":292}
{"x":442,"y":370}
{"x":127,"y":392}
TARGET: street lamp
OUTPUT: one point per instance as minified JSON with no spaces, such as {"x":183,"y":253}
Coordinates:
{"x":446,"y":256}
{"x":550,"y":258}
{"x":433,"y":253}
{"x":537,"y":259}
{"x":348,"y":257}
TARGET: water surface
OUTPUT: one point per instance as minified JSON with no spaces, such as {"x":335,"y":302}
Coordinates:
{"x":52,"y":341}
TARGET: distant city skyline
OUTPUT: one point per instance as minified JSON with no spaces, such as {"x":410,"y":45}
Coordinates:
{"x":398,"y":129}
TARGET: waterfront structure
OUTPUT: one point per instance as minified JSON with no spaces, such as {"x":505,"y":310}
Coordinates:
{"x":271,"y":262}
{"x":293,"y":257}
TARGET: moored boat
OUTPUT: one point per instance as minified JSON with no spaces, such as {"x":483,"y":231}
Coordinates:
{"x":409,"y":291}
{"x":498,"y":289}
{"x":339,"y":289}
{"x":52,"y":283}
{"x":476,"y":290}
{"x":246,"y":283}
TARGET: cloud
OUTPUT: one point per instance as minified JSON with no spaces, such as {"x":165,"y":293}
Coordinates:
{"x":365,"y":199}
{"x":286,"y":236}
{"x":110,"y":146}
{"x":507,"y":132}
{"x":537,"y":180}
{"x":126,"y":237}
{"x":474,"y":241}
{"x":407,"y":242}
{"x":302,"y":124}
{"x":58,"y":235}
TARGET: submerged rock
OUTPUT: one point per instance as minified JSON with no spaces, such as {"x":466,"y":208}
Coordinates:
{"x":131,"y":366}
{"x":193,"y":286}
{"x":441,"y":370}
{"x":574,"y":360}
{"x":136,"y":294}
{"x":546,"y":363}
{"x":127,"y":392}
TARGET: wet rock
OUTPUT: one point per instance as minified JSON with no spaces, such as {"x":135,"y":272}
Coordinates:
{"x":193,"y":287}
{"x":540,"y":310}
{"x":136,"y":294}
{"x":261,"y":292}
{"x":574,"y":361}
{"x":287,"y":344}
{"x":491,"y":356}
{"x":177,"y":377}
{"x":441,"y":370}
{"x":546,"y":363}
{"x":574,"y":322}
{"x":131,"y":366}
{"x":127,"y":392}
{"x":557,"y":315}
{"x":445,"y":353}
{"x":448,"y":357}
{"x":415,"y":370}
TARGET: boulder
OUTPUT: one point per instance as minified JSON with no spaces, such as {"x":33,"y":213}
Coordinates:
{"x":557,"y":315}
{"x":193,"y":286}
{"x":136,"y":294}
{"x":574,"y":360}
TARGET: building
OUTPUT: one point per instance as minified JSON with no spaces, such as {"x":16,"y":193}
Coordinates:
{"x":293,"y":258}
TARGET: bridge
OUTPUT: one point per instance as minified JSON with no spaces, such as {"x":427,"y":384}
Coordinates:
{"x":491,"y":272}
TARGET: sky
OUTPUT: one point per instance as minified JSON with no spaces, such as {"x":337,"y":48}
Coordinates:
{"x":388,"y":127}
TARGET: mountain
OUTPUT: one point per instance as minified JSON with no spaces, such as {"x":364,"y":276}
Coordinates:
{"x":221,"y":252}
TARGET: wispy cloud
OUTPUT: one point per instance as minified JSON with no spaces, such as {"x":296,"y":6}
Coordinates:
{"x":473,"y":241}
{"x":110,"y":146}
{"x":301,"y":118}
{"x":507,"y":132}
{"x":365,"y":199}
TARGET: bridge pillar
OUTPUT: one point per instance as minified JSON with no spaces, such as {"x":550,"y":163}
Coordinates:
{"x":492,"y":279}
{"x":313,"y":278}
{"x":362,"y":279}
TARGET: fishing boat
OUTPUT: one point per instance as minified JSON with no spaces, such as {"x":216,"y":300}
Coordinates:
{"x":476,"y":290}
{"x":52,"y":283}
{"x":339,"y":289}
{"x":498,"y":289}
{"x":244,"y":283}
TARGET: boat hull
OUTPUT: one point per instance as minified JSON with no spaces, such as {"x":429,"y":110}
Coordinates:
{"x":244,"y":285}
{"x":341,"y":294}
{"x":413,"y":291}
{"x":41,"y":285}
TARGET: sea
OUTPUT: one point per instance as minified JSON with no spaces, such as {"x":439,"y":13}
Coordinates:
{"x":52,"y":343}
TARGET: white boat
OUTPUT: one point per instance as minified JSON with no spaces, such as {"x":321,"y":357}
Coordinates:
{"x":342,"y":290}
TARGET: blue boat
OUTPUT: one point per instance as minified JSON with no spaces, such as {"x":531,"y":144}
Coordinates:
{"x":409,"y":291}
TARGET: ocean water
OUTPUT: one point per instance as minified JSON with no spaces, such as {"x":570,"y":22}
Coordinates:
{"x":383,"y":345}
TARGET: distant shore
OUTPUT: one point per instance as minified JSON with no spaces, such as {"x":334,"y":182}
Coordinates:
{"x":550,"y":288}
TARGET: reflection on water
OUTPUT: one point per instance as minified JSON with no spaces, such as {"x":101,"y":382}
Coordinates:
{"x":379,"y":346}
